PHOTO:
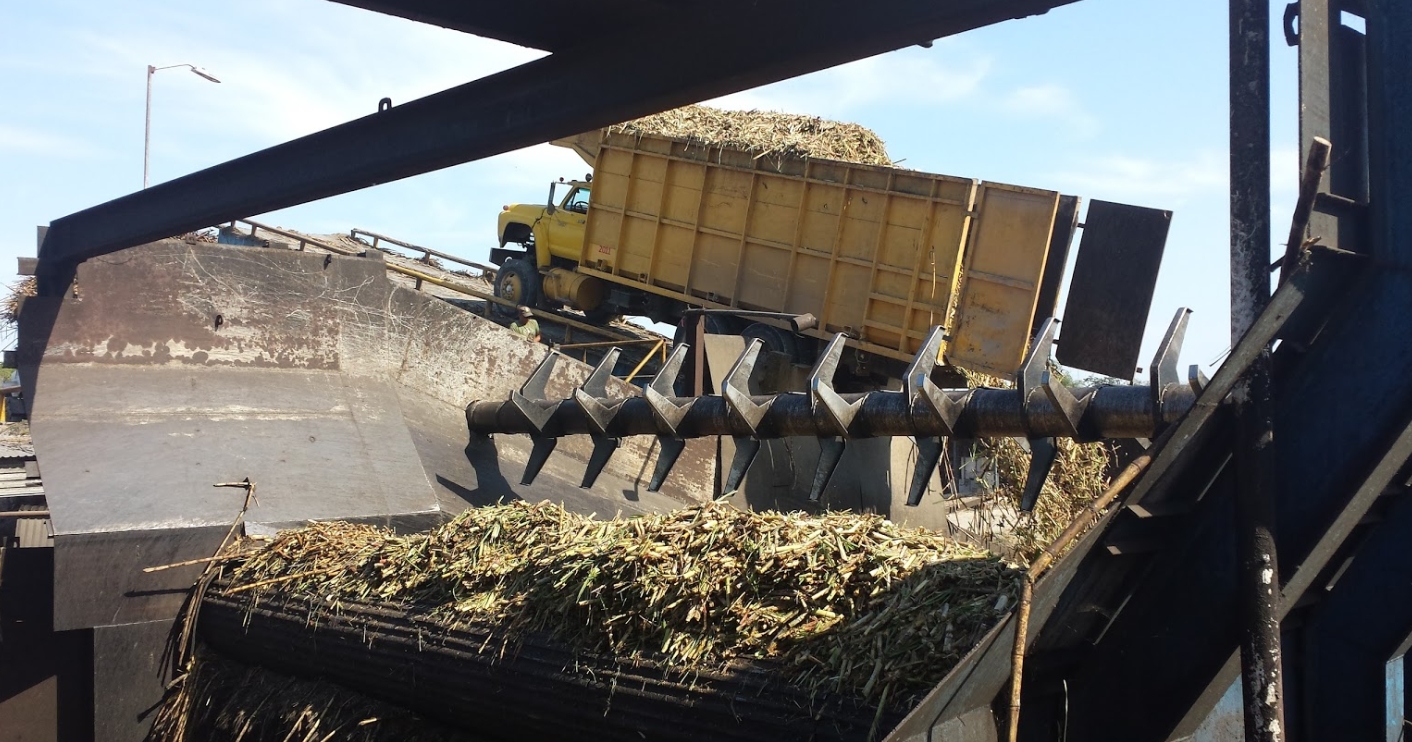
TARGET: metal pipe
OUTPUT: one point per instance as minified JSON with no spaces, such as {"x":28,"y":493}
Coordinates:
{"x":645,"y":359}
{"x":1119,"y":411}
{"x":25,"y":514}
{"x":1250,"y":293}
{"x":613,"y":343}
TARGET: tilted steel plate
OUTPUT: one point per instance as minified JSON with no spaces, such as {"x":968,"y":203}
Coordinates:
{"x":1111,"y":290}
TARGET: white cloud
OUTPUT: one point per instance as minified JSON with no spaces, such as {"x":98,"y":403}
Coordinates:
{"x":22,"y":141}
{"x":1050,"y":102}
{"x":909,"y":77}
{"x":1126,"y":178}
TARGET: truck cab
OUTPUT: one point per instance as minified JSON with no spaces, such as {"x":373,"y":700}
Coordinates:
{"x":540,"y":247}
{"x":554,"y":230}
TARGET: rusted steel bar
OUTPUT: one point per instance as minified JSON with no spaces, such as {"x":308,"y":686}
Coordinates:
{"x":1261,"y":662}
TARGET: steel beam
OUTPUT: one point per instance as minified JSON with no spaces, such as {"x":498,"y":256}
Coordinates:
{"x":1179,"y":619}
{"x":1365,"y":619}
{"x":621,"y":78}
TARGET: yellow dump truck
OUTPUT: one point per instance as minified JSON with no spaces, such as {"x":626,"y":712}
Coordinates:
{"x":881,"y":253}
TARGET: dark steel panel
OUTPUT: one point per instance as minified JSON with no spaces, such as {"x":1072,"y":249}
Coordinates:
{"x":1111,"y":289}
{"x":128,"y":679}
{"x":99,"y":579}
{"x":45,"y":677}
{"x":1355,"y":630}
{"x":632,"y":75}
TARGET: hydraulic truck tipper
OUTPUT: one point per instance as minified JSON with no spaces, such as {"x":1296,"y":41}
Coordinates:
{"x":881,"y":253}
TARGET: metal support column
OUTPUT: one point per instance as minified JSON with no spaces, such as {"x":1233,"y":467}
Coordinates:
{"x":1258,"y":579}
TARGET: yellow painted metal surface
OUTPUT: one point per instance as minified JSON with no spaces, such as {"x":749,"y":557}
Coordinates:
{"x":873,"y":251}
{"x":1000,"y":287}
{"x":575,"y":289}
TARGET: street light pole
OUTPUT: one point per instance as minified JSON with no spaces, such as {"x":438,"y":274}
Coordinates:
{"x":147,"y":129}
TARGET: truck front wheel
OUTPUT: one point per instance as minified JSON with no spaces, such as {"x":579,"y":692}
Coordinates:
{"x":517,"y":281}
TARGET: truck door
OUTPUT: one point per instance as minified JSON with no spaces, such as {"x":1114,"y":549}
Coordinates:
{"x":567,"y":227}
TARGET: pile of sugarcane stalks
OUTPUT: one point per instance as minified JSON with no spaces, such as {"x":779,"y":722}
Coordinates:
{"x":705,"y":623}
{"x":764,"y":133}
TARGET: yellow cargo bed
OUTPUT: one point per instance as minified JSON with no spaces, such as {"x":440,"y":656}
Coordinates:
{"x":880,"y":253}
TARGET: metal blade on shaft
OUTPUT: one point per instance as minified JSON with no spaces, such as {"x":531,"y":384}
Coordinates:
{"x":745,"y":450}
{"x":928,"y":456}
{"x":1042,"y":454}
{"x":668,"y":451}
{"x":538,"y":455}
{"x":603,"y":448}
{"x":830,"y":453}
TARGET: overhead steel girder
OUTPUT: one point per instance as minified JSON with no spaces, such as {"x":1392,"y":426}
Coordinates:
{"x":618,"y":79}
{"x":524,"y":23}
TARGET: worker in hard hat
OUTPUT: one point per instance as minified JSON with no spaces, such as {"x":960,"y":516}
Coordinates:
{"x":525,"y":325}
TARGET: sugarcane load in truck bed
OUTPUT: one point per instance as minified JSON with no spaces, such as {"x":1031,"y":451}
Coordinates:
{"x":771,"y":212}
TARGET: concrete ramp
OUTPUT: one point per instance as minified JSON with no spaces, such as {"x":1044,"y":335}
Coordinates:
{"x":171,"y":367}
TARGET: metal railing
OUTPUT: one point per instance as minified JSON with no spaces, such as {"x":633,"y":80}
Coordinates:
{"x":487,"y":271}
{"x":304,"y":241}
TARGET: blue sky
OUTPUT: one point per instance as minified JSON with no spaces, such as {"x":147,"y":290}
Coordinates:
{"x":1122,"y":100}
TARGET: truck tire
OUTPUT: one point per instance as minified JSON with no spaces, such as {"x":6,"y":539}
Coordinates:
{"x":774,"y":339}
{"x":517,"y":281}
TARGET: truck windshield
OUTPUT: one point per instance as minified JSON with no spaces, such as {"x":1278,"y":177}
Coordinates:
{"x":577,"y":201}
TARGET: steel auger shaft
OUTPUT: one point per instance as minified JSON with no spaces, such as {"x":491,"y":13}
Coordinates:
{"x":1040,"y":409}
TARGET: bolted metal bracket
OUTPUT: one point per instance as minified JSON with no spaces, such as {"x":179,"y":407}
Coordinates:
{"x":840,"y":414}
{"x":935,"y":404}
{"x":821,"y":391}
{"x":660,"y":392}
{"x":603,"y":448}
{"x":1034,"y":376}
{"x":530,"y":398}
{"x":530,"y":401}
{"x":670,"y":414}
{"x":1164,"y":371}
{"x":1036,"y":363}
{"x":737,"y":394}
{"x":1071,"y":407}
{"x":920,"y":385}
{"x":737,"y":388}
{"x":592,"y":396}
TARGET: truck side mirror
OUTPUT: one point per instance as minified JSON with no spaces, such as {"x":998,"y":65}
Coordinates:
{"x":551,"y":208}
